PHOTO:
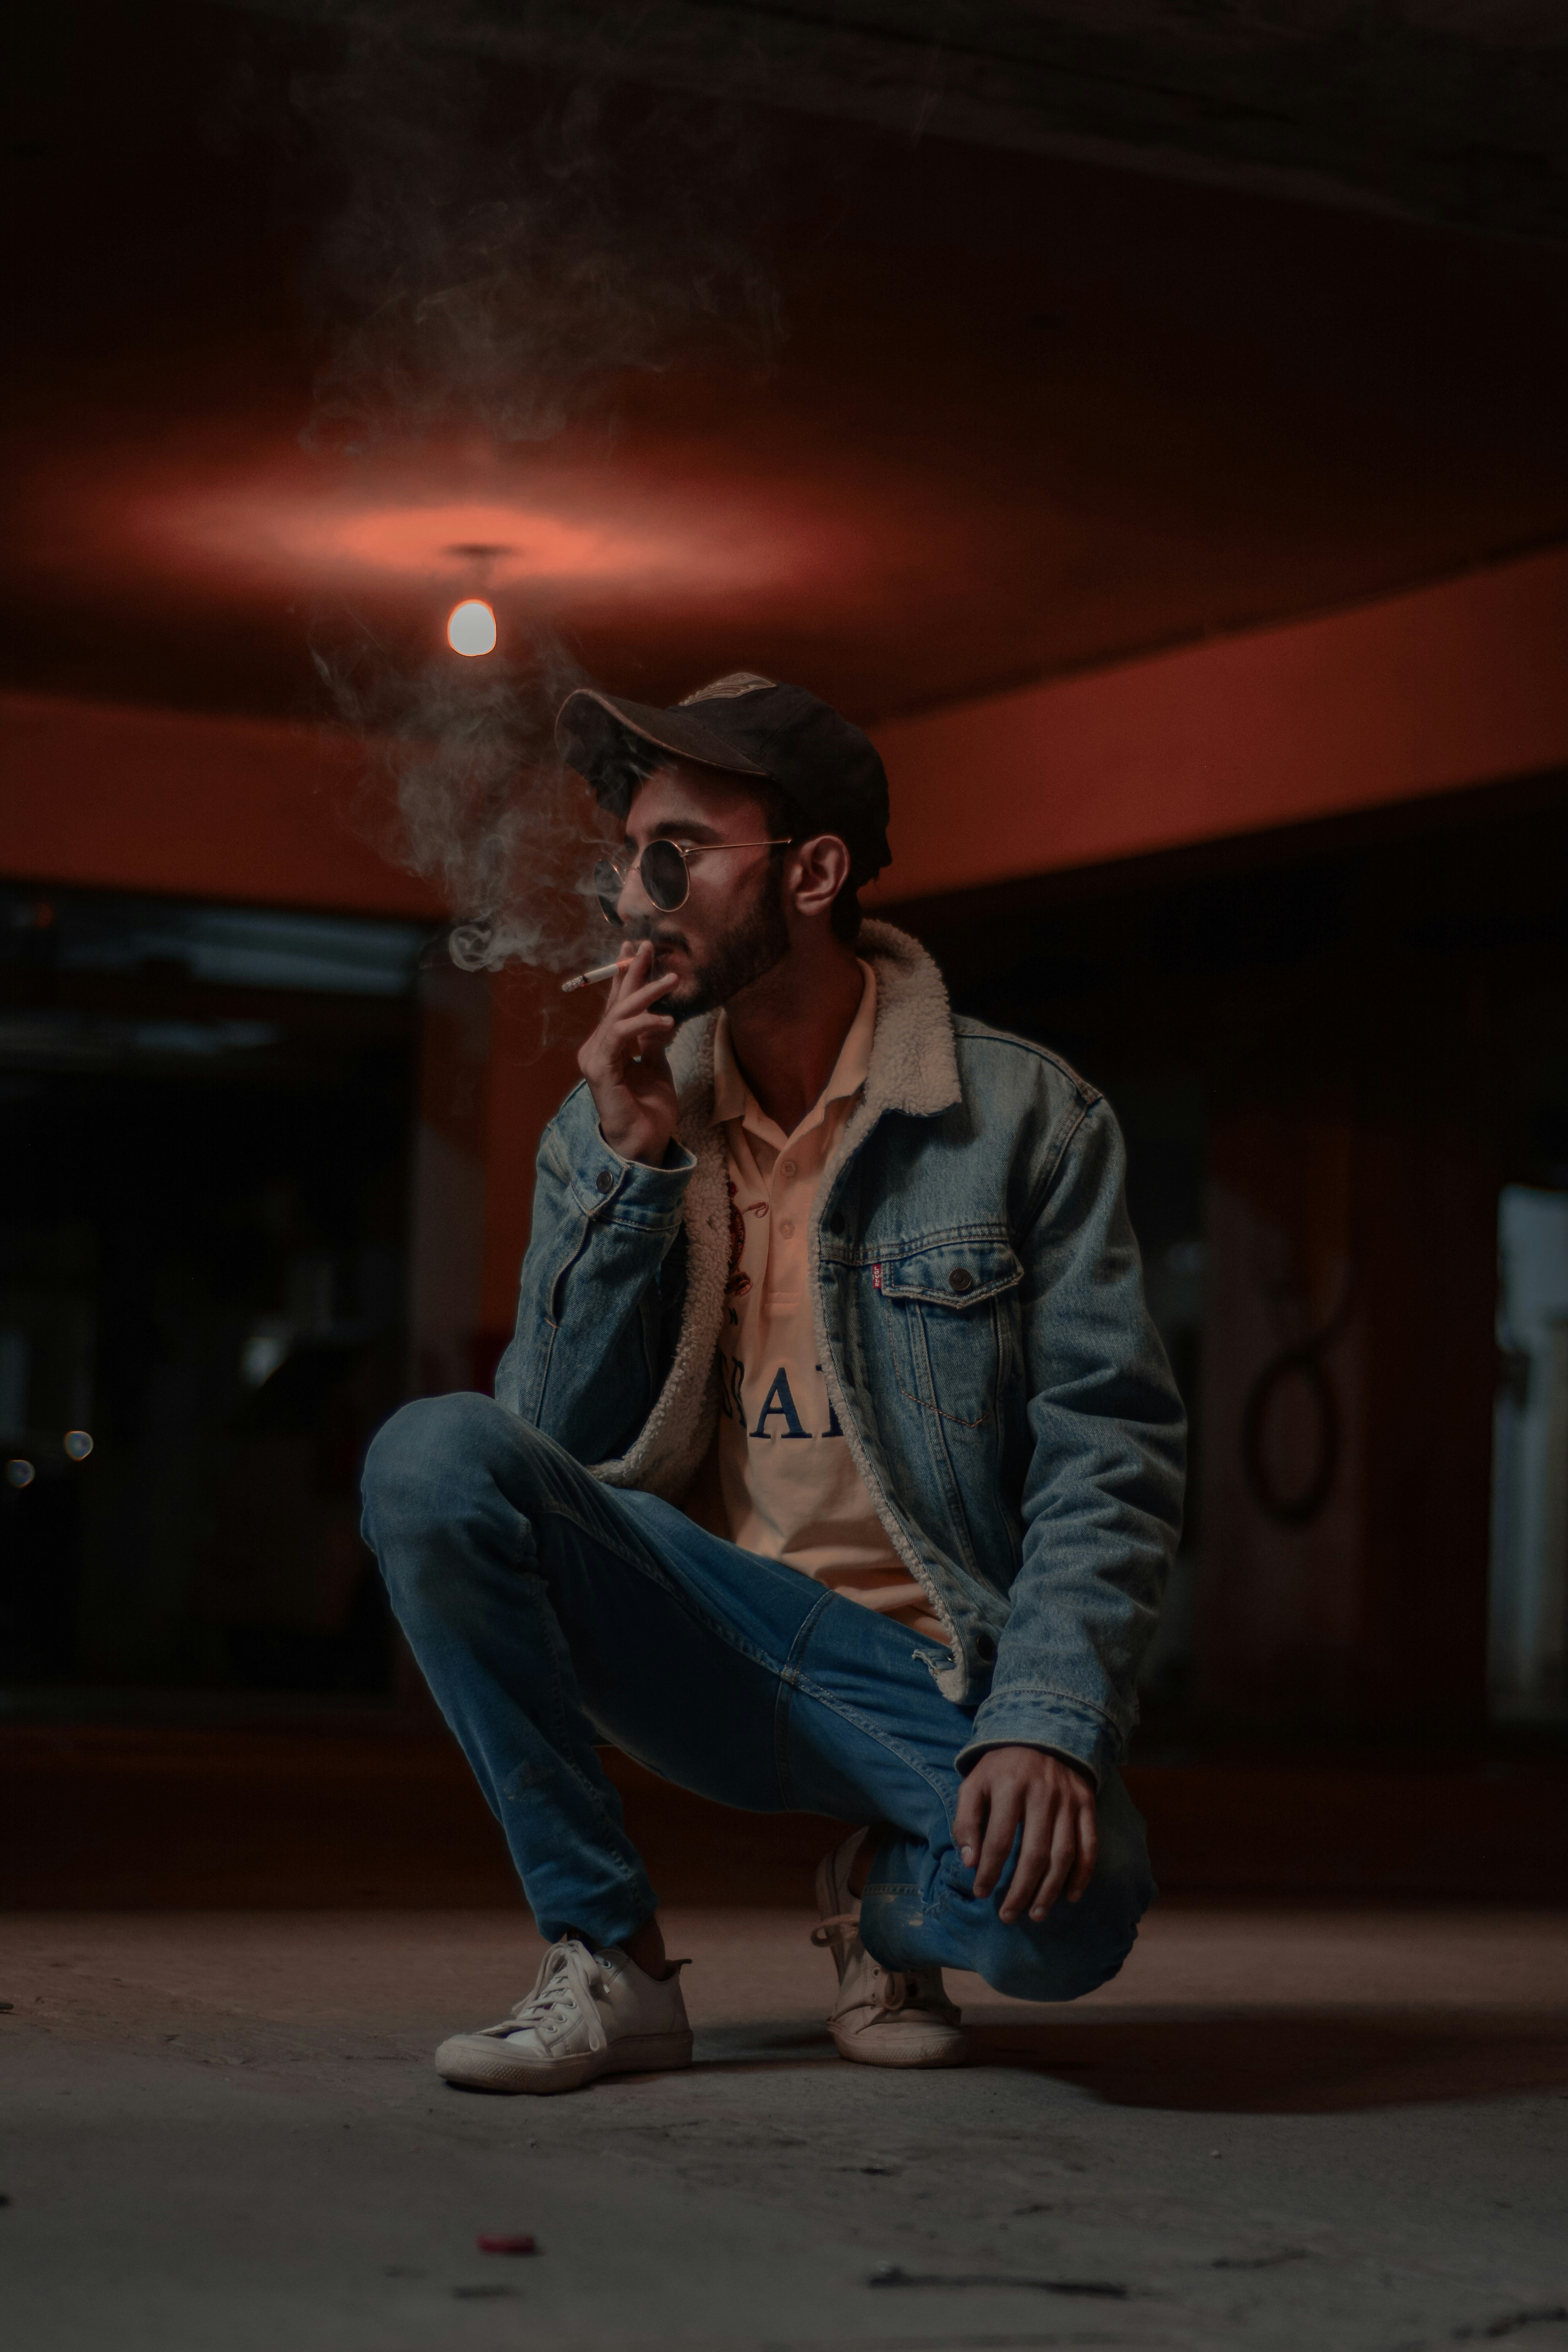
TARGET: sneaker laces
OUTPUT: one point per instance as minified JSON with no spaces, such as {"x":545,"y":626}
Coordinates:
{"x":896,"y":1988}
{"x":893,"y":1990}
{"x":836,"y":1935}
{"x":568,"y":1980}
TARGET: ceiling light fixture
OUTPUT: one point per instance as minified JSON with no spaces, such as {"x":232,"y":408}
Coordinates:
{"x":471,"y":627}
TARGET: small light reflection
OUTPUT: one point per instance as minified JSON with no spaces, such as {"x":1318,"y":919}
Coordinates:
{"x":472,"y":628}
{"x":79,"y":1443}
{"x":20,"y":1473}
{"x":262,"y":1354}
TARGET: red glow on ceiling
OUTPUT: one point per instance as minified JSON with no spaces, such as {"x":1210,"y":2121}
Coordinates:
{"x":284,"y":535}
{"x":501,"y":543}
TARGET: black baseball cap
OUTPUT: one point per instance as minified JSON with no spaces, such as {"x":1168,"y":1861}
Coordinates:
{"x":743,"y":725}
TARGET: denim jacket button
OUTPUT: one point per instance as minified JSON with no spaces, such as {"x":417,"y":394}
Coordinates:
{"x":836,"y":1221}
{"x":605,"y":1180}
{"x":984,"y":1648}
{"x":960,"y":1279}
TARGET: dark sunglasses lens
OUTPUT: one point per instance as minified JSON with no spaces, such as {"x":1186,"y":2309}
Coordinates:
{"x":608,"y":891}
{"x":664,"y":874}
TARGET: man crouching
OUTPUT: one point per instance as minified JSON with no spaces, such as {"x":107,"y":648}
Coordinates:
{"x":835,"y":1464}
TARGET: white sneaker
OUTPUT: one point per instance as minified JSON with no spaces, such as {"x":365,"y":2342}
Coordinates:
{"x":589,"y":2013}
{"x":882,"y":2017}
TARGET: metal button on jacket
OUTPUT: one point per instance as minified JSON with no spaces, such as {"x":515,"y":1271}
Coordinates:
{"x":960,"y":1279}
{"x":605,"y":1180}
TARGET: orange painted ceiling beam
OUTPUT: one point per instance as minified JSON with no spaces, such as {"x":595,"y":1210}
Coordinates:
{"x":1447,"y":686}
{"x":108,"y":797}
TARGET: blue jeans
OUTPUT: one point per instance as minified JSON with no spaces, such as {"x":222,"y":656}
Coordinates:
{"x":553,"y":1614}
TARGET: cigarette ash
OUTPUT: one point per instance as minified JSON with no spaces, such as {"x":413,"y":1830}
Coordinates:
{"x":506,"y":251}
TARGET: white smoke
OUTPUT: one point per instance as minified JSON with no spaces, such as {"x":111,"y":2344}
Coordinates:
{"x":464,"y":786}
{"x":506,"y":245}
{"x":502,"y":248}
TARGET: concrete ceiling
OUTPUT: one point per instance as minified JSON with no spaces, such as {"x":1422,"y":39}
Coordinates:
{"x":1451,"y":111}
{"x":907,"y":416}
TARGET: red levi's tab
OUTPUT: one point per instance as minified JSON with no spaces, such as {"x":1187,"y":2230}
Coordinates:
{"x":877,"y":1276}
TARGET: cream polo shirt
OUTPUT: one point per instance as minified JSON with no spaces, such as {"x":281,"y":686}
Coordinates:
{"x":781,"y":1480}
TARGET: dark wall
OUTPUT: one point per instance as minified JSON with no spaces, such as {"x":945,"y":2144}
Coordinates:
{"x":203,"y":1209}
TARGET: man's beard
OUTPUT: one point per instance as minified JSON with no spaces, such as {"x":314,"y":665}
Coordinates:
{"x":757,"y":943}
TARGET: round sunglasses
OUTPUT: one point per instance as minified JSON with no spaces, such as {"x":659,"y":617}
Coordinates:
{"x":664,"y":870}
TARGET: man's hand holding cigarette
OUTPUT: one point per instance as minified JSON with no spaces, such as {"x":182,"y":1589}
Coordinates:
{"x":624,"y":1064}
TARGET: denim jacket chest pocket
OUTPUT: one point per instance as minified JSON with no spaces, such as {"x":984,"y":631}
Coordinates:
{"x":951,"y":1310}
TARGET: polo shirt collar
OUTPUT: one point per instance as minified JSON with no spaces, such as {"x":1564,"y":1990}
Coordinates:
{"x":732,"y":1097}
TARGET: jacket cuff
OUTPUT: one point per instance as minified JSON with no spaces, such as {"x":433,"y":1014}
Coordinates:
{"x":626,"y":1192}
{"x":1013,"y":1718}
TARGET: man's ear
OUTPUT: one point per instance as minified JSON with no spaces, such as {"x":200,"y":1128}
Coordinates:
{"x":819,"y":870}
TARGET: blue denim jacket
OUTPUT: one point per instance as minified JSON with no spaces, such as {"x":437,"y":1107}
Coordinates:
{"x":979,"y":1304}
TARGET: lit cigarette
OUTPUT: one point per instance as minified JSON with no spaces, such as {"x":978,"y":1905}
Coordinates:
{"x":600,"y":972}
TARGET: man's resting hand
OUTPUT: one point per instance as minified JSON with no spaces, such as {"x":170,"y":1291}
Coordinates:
{"x":1009,"y":1786}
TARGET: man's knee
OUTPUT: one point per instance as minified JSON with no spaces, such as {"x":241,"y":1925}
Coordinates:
{"x":422,"y":1444}
{"x":1081,"y":1945}
{"x":430,"y":1465}
{"x":1034,"y":1965}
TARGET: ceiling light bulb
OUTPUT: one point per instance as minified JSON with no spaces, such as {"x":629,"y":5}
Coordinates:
{"x":472,"y":628}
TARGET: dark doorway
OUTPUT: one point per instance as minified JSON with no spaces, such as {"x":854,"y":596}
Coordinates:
{"x":203,"y":1200}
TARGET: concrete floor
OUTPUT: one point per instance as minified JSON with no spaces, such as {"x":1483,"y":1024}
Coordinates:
{"x":1303,"y":2129}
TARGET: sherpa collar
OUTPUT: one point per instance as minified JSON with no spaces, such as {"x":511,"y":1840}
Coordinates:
{"x":914,"y":1068}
